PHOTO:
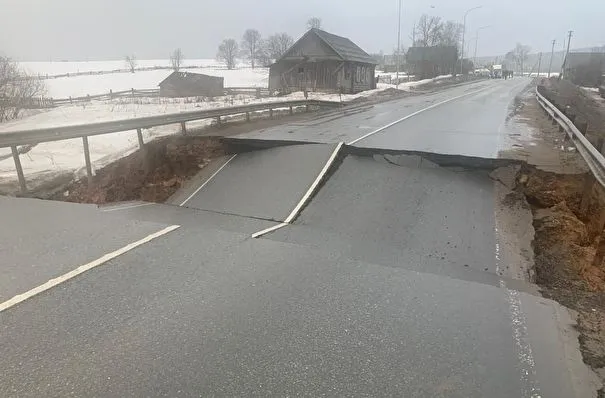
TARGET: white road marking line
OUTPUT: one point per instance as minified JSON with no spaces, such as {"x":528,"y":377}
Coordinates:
{"x":313,"y":186}
{"x":83,"y":268}
{"x":414,"y":114}
{"x":525,"y":356}
{"x":270,"y":229}
{"x":208,"y":180}
{"x":127,"y":207}
{"x":306,"y":196}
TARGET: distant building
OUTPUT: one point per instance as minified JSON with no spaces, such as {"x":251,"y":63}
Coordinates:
{"x":321,"y":61}
{"x":428,"y":62}
{"x":585,"y":68}
{"x":187,"y":84}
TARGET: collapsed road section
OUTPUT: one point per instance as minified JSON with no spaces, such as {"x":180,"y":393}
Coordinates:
{"x":368,"y":226}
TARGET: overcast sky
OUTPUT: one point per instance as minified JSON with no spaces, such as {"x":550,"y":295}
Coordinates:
{"x":42,"y":30}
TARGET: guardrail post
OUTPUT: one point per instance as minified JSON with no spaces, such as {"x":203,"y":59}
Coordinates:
{"x":87,"y":159}
{"x":307,"y":108}
{"x":258,"y":92}
{"x":218,"y":121}
{"x":270,"y":113}
{"x":291,"y":111}
{"x":140,"y":137}
{"x":183,"y":128}
{"x":583,"y":127}
{"x":247,"y":117}
{"x":22,"y":184}
{"x":586,"y":193}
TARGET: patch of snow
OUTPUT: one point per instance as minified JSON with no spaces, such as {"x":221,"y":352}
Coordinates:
{"x":124,"y":109}
{"x":591,"y":89}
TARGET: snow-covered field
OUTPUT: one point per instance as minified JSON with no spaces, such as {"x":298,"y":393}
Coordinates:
{"x":60,"y":67}
{"x":80,"y":86}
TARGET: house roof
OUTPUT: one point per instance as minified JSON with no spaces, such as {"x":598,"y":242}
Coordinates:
{"x":192,"y":77}
{"x":344,"y":48}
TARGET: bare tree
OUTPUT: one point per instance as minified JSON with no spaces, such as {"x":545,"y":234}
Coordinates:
{"x":176,"y":59}
{"x":428,"y":31}
{"x":227,"y":52}
{"x":278,"y":44}
{"x":131,"y":62}
{"x":18,"y":90}
{"x":314,"y":23}
{"x":520,"y":54}
{"x":262,"y":54}
{"x":251,"y":43}
{"x":450,"y":33}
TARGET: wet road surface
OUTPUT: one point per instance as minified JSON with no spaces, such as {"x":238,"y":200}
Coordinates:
{"x":388,"y":283}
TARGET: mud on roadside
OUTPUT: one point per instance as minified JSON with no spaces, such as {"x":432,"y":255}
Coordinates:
{"x":152,"y":174}
{"x":565,"y":242}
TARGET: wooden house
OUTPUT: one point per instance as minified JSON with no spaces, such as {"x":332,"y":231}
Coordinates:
{"x":187,"y":84}
{"x":321,"y":61}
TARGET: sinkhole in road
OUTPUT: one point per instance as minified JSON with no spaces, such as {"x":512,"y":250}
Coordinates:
{"x":150,"y":174}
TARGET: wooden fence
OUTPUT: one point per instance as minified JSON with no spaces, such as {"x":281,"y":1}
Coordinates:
{"x":126,"y":70}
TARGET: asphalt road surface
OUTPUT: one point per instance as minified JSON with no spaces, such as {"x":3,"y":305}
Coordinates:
{"x":464,"y":120}
{"x":390,"y":282}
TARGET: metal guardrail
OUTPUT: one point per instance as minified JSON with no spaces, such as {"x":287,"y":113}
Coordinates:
{"x":13,"y":139}
{"x":594,"y":159}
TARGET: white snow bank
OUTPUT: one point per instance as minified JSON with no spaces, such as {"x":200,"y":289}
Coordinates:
{"x":68,"y":155}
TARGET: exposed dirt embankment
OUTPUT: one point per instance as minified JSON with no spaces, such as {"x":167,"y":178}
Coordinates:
{"x":152,"y":174}
{"x":565,"y":242}
{"x":566,"y":237}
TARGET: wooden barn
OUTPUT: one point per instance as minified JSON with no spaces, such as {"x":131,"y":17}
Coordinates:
{"x":321,"y":61}
{"x":187,"y":84}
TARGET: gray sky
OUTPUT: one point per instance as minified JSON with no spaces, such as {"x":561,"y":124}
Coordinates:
{"x":41,"y":30}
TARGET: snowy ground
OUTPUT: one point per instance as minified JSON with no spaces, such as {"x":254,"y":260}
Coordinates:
{"x":80,"y":86}
{"x":58,"y":67}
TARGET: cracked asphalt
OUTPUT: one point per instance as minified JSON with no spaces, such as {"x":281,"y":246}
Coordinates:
{"x":389,"y":283}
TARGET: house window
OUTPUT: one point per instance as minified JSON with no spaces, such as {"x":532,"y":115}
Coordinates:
{"x":301,"y":70}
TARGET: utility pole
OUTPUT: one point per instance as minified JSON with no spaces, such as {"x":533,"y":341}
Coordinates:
{"x":398,"y":42}
{"x":566,"y":52}
{"x":552,"y":53}
{"x":539,"y":65}
{"x":476,"y":42}
{"x":463,"y":33}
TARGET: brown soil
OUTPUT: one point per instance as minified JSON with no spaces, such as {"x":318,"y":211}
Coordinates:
{"x":152,"y":174}
{"x":564,"y":245}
